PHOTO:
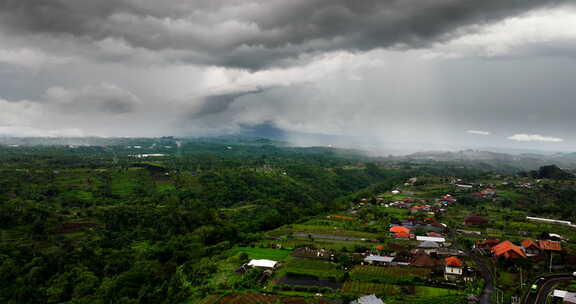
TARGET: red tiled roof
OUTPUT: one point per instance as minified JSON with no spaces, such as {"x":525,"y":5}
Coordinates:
{"x":529,"y":243}
{"x":550,"y":245}
{"x":399,"y":229}
{"x":453,"y":262}
{"x":508,"y":250}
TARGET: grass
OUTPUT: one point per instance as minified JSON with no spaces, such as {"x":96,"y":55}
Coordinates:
{"x":320,"y":269}
{"x":123,"y":184}
{"x":363,"y":288}
{"x":425,"y":291}
{"x":318,"y":229}
{"x":263,"y":253}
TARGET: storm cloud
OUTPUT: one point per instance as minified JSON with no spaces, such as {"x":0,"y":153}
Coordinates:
{"x":434,"y":72}
{"x":257,"y":33}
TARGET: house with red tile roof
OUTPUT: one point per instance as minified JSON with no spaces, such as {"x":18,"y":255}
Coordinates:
{"x":403,"y":235}
{"x":508,"y":250}
{"x":530,"y":248}
{"x":399,"y":229}
{"x":453,"y":268}
{"x":546,"y":245}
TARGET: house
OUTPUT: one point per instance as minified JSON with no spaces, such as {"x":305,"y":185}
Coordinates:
{"x":475,"y":221}
{"x":422,"y":238}
{"x":550,"y":221}
{"x":508,"y":250}
{"x":403,"y":235}
{"x":462,"y":231}
{"x":551,"y":236}
{"x":401,"y":232}
{"x":445,"y":252}
{"x":464,"y":186}
{"x":546,"y":245}
{"x":530,"y":248}
{"x":399,"y":229}
{"x":263,"y":264}
{"x":453,"y":268}
{"x":434,"y":234}
{"x":378,"y":260}
{"x":488,"y":192}
{"x":371,"y":299}
{"x":429,"y":247}
{"x":567,"y":297}
{"x":487,"y":244}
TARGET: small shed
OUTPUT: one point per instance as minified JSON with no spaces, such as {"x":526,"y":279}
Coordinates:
{"x":378,"y":260}
{"x":264,"y":264}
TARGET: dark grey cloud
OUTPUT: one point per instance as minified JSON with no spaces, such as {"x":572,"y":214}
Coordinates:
{"x":218,"y":103}
{"x":257,"y":33}
{"x":104,"y":98}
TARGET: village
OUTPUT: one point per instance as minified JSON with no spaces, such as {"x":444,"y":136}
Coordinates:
{"x":429,"y":238}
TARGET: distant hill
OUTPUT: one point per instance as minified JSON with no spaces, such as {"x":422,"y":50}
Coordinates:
{"x":526,"y":161}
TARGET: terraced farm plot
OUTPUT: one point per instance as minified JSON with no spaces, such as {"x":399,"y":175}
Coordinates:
{"x":253,"y":298}
{"x":326,"y":244}
{"x":322,"y":230}
{"x":359,"y":287}
{"x":426,"y":291}
{"x":387,"y":274}
{"x":318,"y":269}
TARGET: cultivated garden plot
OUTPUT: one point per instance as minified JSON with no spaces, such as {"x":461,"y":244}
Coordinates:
{"x":388,"y":274}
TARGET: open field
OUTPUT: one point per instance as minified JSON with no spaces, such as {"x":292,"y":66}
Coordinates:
{"x":263,"y":253}
{"x":387,"y":274}
{"x":313,"y":268}
{"x":362,"y":288}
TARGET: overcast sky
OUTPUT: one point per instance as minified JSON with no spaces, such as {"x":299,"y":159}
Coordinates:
{"x":464,"y":73}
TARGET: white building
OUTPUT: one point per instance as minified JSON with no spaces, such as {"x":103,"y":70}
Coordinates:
{"x":265,"y":264}
{"x":422,"y":238}
{"x":371,"y":299}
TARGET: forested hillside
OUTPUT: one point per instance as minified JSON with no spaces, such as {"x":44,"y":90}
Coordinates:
{"x":100,"y":225}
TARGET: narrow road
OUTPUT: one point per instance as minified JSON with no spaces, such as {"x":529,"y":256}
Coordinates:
{"x":488,"y":278}
{"x":546,"y":285}
{"x":486,"y":295}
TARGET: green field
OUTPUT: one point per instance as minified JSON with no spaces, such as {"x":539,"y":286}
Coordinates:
{"x":319,"y":269}
{"x":387,"y":274}
{"x":363,"y":288}
{"x":263,"y":253}
{"x":425,"y":291}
